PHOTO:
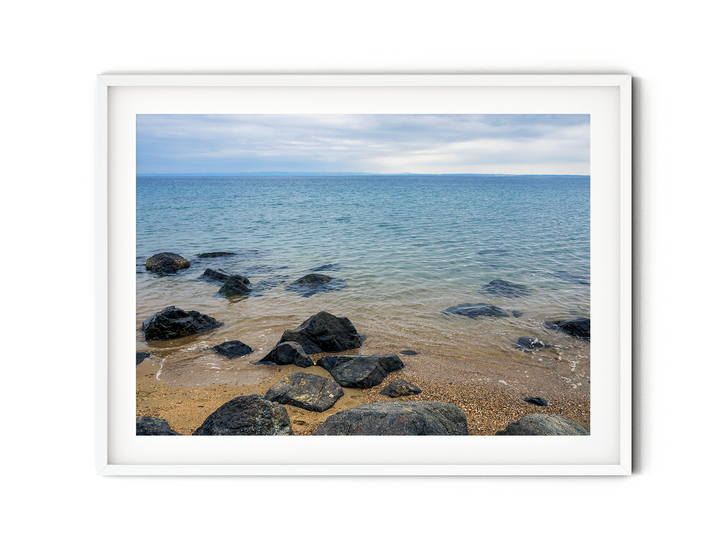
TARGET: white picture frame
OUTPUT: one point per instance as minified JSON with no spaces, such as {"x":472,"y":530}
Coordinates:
{"x":607,"y":451}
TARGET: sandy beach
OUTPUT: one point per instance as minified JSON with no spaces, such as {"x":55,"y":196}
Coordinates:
{"x":491,"y":398}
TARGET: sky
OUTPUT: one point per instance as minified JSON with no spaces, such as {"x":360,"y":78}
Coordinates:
{"x":366,"y":143}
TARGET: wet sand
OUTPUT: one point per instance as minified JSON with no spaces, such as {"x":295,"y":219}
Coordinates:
{"x":491,"y":397}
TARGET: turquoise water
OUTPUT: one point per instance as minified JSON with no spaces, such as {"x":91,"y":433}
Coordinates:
{"x":407,"y":247}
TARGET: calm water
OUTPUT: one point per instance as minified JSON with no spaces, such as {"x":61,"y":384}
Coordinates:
{"x":407,"y":247}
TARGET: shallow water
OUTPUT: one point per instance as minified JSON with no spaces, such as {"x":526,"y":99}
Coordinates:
{"x":407,"y":248}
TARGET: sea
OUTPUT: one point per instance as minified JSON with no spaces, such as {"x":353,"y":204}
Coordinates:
{"x":405,"y":248}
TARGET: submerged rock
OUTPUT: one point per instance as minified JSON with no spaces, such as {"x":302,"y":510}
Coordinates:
{"x":235,"y":286}
{"x":216,"y":275}
{"x":527,"y":343}
{"x":324,"y":332}
{"x":315,"y":283}
{"x":215,"y":254}
{"x":400,"y":388}
{"x":327,"y":268}
{"x":232,"y":349}
{"x":166,"y":263}
{"x":580,"y":278}
{"x":247,"y":415}
{"x":288,"y":352}
{"x":397,"y":418}
{"x":408,"y":352}
{"x":140,"y":356}
{"x":476,"y":310}
{"x":517,"y":314}
{"x":580,"y":328}
{"x":358,"y":371}
{"x":499,"y":287}
{"x":544,"y":424}
{"x":149,"y":425}
{"x":173,"y":323}
{"x":307,"y":391}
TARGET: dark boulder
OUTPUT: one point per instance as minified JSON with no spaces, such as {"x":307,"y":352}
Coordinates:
{"x":580,"y":328}
{"x":247,"y":415}
{"x":235,"y":286}
{"x":527,"y":343}
{"x":288,"y":352}
{"x":536,"y":401}
{"x":408,"y":352}
{"x":324,"y":332}
{"x":500,"y":287}
{"x":400,"y":388}
{"x":166,"y":263}
{"x":232,"y":349}
{"x":149,"y":425}
{"x":173,"y":323}
{"x":315,"y":283}
{"x":476,"y":310}
{"x":544,"y":424}
{"x":397,"y":418}
{"x":307,"y":391}
{"x":358,"y":371}
{"x":140,"y":356}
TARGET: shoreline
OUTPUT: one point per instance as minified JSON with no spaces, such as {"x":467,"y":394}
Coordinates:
{"x":491,"y":398}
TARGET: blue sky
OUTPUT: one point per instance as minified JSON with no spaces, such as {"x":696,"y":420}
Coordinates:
{"x":382,"y":144}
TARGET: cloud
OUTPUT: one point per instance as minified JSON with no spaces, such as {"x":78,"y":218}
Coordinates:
{"x":363,"y":143}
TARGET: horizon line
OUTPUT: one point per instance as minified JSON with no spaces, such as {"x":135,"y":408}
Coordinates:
{"x":302,"y":173}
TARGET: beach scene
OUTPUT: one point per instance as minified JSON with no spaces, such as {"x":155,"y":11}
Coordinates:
{"x":328,"y":275}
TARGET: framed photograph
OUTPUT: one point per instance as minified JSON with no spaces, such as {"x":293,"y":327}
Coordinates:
{"x":364,"y":275}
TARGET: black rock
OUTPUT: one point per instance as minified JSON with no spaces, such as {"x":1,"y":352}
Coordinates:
{"x":288,"y":352}
{"x":544,"y":424}
{"x":324,"y":332}
{"x":166,"y":263}
{"x":527,"y":343}
{"x":580,"y":328}
{"x":397,"y":418}
{"x":499,"y":287}
{"x":307,"y":391}
{"x":173,"y":323}
{"x":235,"y":286}
{"x":400,"y":388}
{"x":315,"y":283}
{"x":140,"y":356}
{"x":232,"y":349}
{"x":536,"y":401}
{"x":408,"y":352}
{"x":149,"y":425}
{"x":476,"y":310}
{"x":358,"y":371}
{"x":247,"y":415}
